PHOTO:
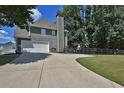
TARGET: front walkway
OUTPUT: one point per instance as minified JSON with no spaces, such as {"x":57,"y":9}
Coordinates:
{"x":50,"y":70}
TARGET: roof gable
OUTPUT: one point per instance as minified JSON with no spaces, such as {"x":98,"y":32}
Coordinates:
{"x":43,"y":23}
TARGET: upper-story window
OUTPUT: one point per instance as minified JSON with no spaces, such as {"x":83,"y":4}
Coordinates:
{"x":54,"y":32}
{"x":48,"y":32}
{"x":51,"y":32}
{"x":35,"y":30}
{"x":43,"y":32}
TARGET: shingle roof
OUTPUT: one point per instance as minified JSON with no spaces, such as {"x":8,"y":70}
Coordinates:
{"x":43,"y":23}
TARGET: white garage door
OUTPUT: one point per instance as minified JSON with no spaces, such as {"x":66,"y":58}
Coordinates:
{"x":38,"y":47}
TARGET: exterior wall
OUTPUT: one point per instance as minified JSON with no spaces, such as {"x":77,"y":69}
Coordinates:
{"x":26,"y":44}
{"x":60,"y":34}
{"x":51,"y":39}
{"x":56,"y":41}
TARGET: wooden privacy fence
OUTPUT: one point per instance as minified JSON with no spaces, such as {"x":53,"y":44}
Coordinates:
{"x":101,"y":51}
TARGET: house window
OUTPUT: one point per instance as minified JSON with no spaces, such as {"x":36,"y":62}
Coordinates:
{"x":48,"y":32}
{"x":43,"y":32}
{"x":54,"y":33}
{"x":35,"y":30}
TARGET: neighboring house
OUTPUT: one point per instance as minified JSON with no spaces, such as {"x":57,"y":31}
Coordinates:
{"x":7,"y":48}
{"x":43,"y":36}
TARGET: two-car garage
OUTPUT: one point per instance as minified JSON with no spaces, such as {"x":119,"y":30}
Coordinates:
{"x":35,"y":46}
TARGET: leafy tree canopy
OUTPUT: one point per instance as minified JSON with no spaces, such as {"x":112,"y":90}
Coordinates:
{"x":15,"y":15}
{"x":73,"y":24}
{"x":97,"y":26}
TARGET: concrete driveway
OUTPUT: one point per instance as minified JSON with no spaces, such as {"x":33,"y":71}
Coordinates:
{"x":50,"y":70}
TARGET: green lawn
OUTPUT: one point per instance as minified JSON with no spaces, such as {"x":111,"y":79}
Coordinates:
{"x":109,"y":66}
{"x":4,"y":59}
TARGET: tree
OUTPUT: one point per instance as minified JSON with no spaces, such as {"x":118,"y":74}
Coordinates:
{"x":89,"y":23}
{"x":15,"y":15}
{"x":101,"y":27}
{"x":105,"y":26}
{"x":116,"y":34}
{"x":74,"y":24}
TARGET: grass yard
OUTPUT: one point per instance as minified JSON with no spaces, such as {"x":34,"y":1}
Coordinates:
{"x":4,"y":59}
{"x":109,"y":66}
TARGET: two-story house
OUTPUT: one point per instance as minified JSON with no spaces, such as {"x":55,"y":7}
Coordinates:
{"x":43,"y":36}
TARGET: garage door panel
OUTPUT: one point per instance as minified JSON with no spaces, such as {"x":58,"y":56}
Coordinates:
{"x":42,"y":47}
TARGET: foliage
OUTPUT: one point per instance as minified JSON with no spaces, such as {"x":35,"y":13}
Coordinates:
{"x":105,"y":26}
{"x":73,"y":24}
{"x":15,"y":15}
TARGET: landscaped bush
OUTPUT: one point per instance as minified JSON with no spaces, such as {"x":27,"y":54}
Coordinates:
{"x":53,"y":49}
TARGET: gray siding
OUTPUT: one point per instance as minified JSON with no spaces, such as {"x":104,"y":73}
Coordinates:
{"x":51,"y":39}
{"x":26,"y":44}
{"x":39,"y":34}
{"x":43,"y":31}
